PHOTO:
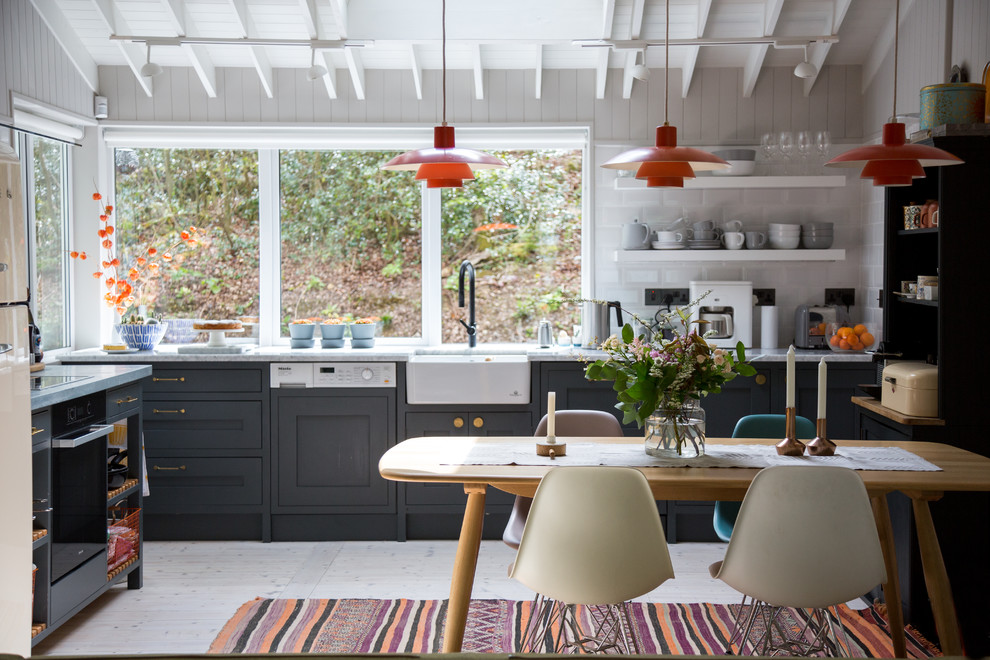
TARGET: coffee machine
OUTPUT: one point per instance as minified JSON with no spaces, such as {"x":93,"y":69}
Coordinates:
{"x":728,"y":310}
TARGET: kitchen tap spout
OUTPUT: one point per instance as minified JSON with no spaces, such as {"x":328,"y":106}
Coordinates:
{"x":471,"y":327}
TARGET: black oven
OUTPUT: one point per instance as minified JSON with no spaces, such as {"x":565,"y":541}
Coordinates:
{"x":79,"y":482}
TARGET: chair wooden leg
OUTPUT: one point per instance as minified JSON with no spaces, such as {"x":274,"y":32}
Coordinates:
{"x":891,"y":588}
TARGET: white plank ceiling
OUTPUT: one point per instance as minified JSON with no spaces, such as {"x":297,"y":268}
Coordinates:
{"x":504,"y":34}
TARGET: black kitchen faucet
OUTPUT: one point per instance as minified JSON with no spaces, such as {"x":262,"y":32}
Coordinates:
{"x":472,"y":327}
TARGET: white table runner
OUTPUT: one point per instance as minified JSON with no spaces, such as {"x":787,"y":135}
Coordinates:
{"x":726,"y":456}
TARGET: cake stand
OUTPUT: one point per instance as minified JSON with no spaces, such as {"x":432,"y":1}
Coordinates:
{"x":218,"y":338}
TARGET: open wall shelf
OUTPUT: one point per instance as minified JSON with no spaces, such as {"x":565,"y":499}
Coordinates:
{"x":716,"y":182}
{"x":670,"y":256}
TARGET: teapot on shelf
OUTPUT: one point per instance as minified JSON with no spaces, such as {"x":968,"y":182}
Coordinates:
{"x":636,"y":235}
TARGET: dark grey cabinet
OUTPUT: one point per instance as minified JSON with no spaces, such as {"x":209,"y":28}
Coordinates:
{"x":206,"y":437}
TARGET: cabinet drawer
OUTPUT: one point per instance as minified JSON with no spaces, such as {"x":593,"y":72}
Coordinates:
{"x":204,"y":380}
{"x":202,"y":424}
{"x":187,"y":485}
{"x":122,"y":400}
{"x":77,"y":586}
{"x":41,"y":427}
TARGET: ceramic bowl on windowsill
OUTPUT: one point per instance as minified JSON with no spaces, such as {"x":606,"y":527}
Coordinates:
{"x":143,"y":337}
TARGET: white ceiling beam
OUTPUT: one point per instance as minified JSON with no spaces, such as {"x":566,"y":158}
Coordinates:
{"x":752,"y":68}
{"x":627,"y":76}
{"x":758,"y":53}
{"x":176,"y":11}
{"x":339,"y":8}
{"x":198,"y":57}
{"x":259,"y":56}
{"x":538,"y":91}
{"x":330,"y":79}
{"x":417,"y":71}
{"x":635,"y":28}
{"x":67,"y":38}
{"x":883,"y":44}
{"x":818,"y":53}
{"x":133,"y":54}
{"x":310,"y":18}
{"x":601,"y":73}
{"x":356,"y":67}
{"x":687,"y":68}
{"x":636,"y":19}
{"x":479,"y":73}
{"x":691,"y":52}
{"x":608,"y":17}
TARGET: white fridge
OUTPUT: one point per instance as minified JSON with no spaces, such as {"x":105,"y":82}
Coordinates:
{"x":15,"y":416}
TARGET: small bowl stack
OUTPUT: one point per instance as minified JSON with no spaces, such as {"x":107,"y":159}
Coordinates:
{"x":742,"y":162}
{"x":784,"y":236}
{"x":817,"y":235}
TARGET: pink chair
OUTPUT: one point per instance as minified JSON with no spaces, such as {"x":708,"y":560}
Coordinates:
{"x":569,"y":423}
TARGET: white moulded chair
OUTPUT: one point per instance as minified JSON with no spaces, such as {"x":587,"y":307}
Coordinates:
{"x":568,"y":423}
{"x":805,"y":538}
{"x":593,"y":537}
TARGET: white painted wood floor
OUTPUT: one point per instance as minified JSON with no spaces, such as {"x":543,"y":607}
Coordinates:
{"x":192,"y":588}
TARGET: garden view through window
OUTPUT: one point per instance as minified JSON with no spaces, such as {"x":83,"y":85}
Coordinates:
{"x":351,"y":239}
{"x":48,"y":198}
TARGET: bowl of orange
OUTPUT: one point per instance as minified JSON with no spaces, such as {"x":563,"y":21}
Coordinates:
{"x":856,"y":338}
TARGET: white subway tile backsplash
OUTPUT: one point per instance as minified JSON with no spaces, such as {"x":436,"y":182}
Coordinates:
{"x":762,"y":196}
{"x":641,"y":276}
{"x":682,"y":197}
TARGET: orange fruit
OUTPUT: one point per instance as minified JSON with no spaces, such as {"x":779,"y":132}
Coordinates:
{"x":821,"y":328}
{"x":855,"y":344}
{"x":845,"y":331}
{"x":867,"y":339}
{"x":834,"y":340}
{"x":844,"y":345}
{"x":859,"y":329}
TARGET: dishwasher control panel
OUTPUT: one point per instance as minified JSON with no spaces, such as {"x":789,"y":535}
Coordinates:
{"x":332,"y":374}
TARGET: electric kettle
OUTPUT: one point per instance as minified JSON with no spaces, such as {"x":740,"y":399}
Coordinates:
{"x":595,"y":321}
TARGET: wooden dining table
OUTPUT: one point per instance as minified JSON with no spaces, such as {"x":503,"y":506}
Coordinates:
{"x":438,"y":460}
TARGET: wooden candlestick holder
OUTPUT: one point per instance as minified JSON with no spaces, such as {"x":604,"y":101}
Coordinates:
{"x":550,"y":447}
{"x":790,"y":445}
{"x":821,"y":445}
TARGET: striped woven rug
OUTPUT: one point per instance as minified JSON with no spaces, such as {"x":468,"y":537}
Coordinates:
{"x":416,"y":626}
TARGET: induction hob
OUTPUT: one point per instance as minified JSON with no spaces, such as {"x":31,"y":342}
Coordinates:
{"x":42,"y":382}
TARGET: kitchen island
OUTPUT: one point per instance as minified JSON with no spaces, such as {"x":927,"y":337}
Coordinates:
{"x":77,"y":413}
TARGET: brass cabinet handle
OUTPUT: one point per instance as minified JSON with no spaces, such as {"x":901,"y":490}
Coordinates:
{"x":156,"y":379}
{"x":458,"y":422}
{"x":36,"y":431}
{"x":478,"y":422}
{"x":158,"y":467}
{"x":180,"y":411}
{"x":130,"y":399}
{"x":760,"y":379}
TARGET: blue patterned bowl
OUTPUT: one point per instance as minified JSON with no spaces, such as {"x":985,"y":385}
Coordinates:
{"x":141,"y":337}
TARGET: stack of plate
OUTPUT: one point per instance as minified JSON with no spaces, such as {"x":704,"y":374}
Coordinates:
{"x":713,"y":244}
{"x":668,"y":245}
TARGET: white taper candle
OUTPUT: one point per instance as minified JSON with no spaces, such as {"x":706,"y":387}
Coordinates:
{"x":551,"y":411}
{"x":822,"y":369}
{"x":790,"y":377}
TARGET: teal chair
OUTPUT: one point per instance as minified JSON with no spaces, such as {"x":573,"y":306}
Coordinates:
{"x":755,"y":426}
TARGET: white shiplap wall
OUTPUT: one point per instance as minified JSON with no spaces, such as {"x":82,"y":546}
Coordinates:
{"x":33,"y":63}
{"x":971,"y":36}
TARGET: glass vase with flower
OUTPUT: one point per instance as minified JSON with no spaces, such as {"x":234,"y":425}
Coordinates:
{"x":660,"y":380}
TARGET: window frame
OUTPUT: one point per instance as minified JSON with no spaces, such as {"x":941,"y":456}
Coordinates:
{"x":25,"y":149}
{"x":269,"y":140}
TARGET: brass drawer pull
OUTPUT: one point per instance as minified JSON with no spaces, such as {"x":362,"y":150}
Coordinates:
{"x":130,"y":399}
{"x":36,"y":431}
{"x":156,"y":379}
{"x":760,"y":379}
{"x":478,"y":422}
{"x":458,"y":422}
{"x":180,"y":411}
{"x":158,"y":467}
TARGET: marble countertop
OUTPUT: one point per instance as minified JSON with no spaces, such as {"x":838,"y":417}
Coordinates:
{"x":385,"y":352}
{"x":91,"y":378}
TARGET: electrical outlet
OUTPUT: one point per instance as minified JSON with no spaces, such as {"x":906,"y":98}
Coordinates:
{"x":765,"y":297}
{"x":659,"y":296}
{"x":842,"y":297}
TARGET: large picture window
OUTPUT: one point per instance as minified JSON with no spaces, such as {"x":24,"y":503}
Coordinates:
{"x":160,"y":194}
{"x":322,"y":232}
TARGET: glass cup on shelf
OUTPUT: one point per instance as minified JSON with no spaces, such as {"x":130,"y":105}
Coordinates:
{"x":768,"y":148}
{"x":805,"y":145}
{"x":823,"y":142}
{"x":785,"y":143}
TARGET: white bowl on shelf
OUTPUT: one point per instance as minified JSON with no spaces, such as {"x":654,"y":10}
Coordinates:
{"x":737,"y":168}
{"x":778,"y":242}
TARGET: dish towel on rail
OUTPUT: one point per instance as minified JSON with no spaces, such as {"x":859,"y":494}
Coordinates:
{"x":493,"y":626}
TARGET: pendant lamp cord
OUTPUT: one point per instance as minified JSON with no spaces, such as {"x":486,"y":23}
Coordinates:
{"x":897,"y":18}
{"x":443,"y":54}
{"x":666,"y":61}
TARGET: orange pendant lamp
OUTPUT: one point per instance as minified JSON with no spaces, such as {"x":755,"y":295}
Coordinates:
{"x":665,"y":165}
{"x":444,"y":165}
{"x":894,"y":162}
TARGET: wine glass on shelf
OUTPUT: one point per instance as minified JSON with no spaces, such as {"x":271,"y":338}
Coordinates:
{"x":823,"y":141}
{"x":805,"y":145}
{"x":768,"y":147}
{"x":785,"y":143}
